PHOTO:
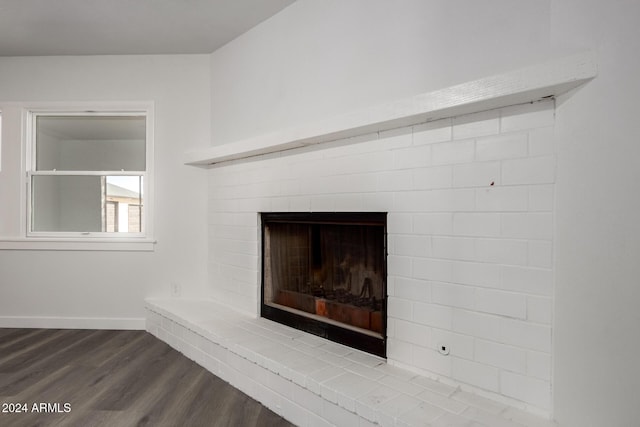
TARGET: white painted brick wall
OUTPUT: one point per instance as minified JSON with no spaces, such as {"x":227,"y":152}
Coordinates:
{"x":479,"y":224}
{"x":502,"y":356}
{"x":438,"y":316}
{"x":505,"y":146}
{"x":458,"y":248}
{"x":470,"y":204}
{"x":476,"y":274}
{"x":453,"y":295}
{"x":478,"y":174}
{"x":477,"y":324}
{"x":410,"y":289}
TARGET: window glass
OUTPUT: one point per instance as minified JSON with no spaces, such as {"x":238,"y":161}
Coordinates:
{"x":77,"y":203}
{"x":66,"y":203}
{"x":123,"y":195}
{"x":90,"y":143}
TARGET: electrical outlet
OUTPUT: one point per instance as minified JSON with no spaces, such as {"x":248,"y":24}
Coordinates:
{"x":443,"y":349}
{"x":176,"y":289}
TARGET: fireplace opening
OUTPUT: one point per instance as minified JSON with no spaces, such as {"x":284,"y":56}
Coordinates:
{"x":325,"y":273}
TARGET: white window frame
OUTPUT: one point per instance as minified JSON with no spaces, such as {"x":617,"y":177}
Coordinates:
{"x":86,"y":240}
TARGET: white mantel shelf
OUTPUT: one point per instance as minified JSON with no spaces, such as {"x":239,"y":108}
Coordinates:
{"x":528,"y":84}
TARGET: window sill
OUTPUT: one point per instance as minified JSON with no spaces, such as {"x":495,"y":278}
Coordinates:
{"x":87,"y":244}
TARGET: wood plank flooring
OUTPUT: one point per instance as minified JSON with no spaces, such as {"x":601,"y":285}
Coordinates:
{"x":113,"y":378}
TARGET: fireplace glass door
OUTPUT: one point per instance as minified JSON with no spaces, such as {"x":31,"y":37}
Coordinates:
{"x":326,"y":274}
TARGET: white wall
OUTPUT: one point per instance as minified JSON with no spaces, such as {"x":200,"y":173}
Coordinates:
{"x":317,"y":59}
{"x":597,"y":374}
{"x":111,"y":285}
{"x":320,"y":58}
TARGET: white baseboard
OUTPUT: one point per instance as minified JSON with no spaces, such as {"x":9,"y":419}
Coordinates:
{"x":72,"y":322}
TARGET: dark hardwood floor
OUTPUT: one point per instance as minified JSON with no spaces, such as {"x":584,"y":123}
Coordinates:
{"x":113,"y":378}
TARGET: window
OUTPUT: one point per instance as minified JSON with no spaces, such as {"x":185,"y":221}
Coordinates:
{"x":88,"y":174}
{"x":0,"y":140}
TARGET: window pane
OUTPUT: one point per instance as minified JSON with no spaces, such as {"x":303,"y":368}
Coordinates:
{"x":124,"y":194}
{"x":111,"y":204}
{"x":91,"y":143}
{"x":67,"y":203}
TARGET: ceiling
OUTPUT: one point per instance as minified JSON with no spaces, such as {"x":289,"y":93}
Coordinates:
{"x":123,"y":27}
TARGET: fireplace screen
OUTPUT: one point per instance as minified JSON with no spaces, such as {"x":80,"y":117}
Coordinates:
{"x":326,"y":274}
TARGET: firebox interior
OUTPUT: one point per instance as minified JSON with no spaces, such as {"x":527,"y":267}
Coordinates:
{"x":325,"y":273}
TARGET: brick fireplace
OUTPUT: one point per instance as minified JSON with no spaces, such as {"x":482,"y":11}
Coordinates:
{"x":466,"y":177}
{"x":470,"y":237}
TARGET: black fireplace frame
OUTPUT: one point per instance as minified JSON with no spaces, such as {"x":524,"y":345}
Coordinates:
{"x":370,"y":344}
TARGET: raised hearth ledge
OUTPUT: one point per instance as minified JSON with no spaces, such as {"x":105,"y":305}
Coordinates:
{"x":528,"y":84}
{"x":311,"y":381}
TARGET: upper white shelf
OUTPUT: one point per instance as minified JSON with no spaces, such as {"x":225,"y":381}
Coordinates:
{"x":515,"y":87}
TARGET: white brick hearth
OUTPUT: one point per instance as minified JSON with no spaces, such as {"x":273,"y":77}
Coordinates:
{"x":314,"y":382}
